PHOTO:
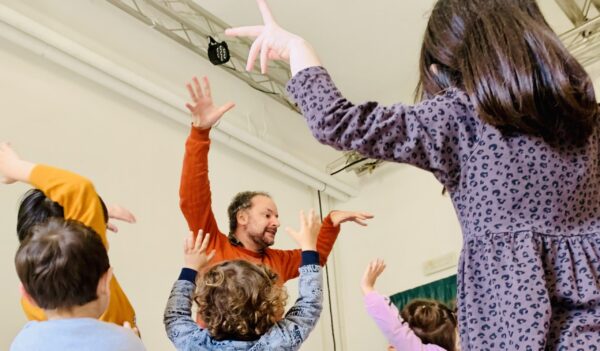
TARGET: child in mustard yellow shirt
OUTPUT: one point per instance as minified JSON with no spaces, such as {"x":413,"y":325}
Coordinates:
{"x":59,"y":191}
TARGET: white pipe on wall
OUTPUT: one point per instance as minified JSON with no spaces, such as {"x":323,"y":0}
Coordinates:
{"x":53,"y":46}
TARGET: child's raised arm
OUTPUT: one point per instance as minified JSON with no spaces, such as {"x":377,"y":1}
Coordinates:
{"x":300,"y":320}
{"x":386,"y":315}
{"x":12,"y":167}
{"x":181,"y":329}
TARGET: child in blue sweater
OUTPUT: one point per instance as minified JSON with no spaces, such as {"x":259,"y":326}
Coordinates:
{"x":241,"y":303}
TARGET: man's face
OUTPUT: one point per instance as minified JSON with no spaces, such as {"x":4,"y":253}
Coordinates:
{"x":262,"y":221}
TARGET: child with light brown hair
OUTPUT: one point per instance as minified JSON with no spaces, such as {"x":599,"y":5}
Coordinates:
{"x":240,"y":302}
{"x":425,"y":325}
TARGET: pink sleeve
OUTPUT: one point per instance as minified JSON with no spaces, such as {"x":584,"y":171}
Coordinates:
{"x":386,"y":316}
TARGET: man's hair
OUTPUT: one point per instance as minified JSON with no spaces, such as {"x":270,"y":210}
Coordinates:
{"x":241,"y":201}
{"x":239,"y":300}
{"x":36,"y":207}
{"x":60,"y":264}
{"x":432,"y":321}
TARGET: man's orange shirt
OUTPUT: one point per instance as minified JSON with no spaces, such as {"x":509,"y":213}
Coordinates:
{"x":196,"y":205}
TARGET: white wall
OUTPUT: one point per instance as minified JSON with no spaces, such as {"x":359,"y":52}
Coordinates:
{"x":413,"y":223}
{"x":134,"y":157}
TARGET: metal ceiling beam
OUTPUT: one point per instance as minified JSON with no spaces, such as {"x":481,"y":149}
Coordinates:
{"x":573,"y":11}
{"x":190,"y":25}
{"x":583,"y":41}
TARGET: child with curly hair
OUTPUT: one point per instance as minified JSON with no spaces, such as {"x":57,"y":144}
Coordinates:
{"x":240,"y":302}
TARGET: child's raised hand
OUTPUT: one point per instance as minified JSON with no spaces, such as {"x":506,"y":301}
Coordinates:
{"x":306,"y":237}
{"x":12,"y":168}
{"x":204,"y":112}
{"x":272,"y":42}
{"x":194,"y":251}
{"x":119,"y":213}
{"x":374,"y":269}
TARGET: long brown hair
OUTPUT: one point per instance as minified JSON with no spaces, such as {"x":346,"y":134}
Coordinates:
{"x":516,"y":71}
{"x":432,"y":321}
{"x":239,"y":300}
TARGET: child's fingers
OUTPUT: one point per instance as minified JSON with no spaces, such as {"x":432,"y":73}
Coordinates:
{"x":198,"y":241}
{"x":189,"y":241}
{"x":292,"y":232}
{"x":302,"y":220}
{"x":204,"y":243}
{"x":211,"y":255}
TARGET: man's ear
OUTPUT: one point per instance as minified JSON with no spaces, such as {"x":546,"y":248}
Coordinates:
{"x":242,"y":217}
{"x":26,"y":296}
{"x":104,"y":283}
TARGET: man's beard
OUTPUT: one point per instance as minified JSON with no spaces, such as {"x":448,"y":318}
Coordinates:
{"x":261,"y":238}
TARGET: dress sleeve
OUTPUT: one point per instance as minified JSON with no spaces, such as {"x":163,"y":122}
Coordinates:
{"x":436,"y":135}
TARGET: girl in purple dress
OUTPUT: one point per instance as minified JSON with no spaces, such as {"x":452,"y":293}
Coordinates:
{"x":507,"y":122}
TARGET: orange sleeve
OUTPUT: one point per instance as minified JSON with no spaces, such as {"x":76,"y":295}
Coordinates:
{"x":327,"y":237}
{"x":289,"y":261}
{"x":74,"y":193}
{"x":195,"y":198}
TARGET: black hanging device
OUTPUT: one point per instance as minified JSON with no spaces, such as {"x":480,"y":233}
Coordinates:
{"x":218,"y":53}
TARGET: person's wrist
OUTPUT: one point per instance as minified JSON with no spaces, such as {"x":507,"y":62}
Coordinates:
{"x":309,"y":247}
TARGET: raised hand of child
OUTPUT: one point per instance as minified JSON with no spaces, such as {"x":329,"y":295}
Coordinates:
{"x":12,"y":168}
{"x":204,"y":112}
{"x":119,"y":213}
{"x":306,"y":237}
{"x":194,"y":251}
{"x":374,"y":269}
{"x":272,"y":42}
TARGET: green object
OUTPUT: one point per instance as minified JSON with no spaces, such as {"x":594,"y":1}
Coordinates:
{"x":443,"y":290}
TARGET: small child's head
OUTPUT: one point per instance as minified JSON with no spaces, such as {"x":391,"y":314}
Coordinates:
{"x":515,"y":69}
{"x":36,"y":208}
{"x":433,"y":322}
{"x":239,"y":300}
{"x":63,"y":265}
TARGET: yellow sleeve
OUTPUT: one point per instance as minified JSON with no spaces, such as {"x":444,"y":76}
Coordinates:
{"x":74,"y":193}
{"x":80,"y":202}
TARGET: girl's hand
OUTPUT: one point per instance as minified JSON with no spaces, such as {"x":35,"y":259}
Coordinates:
{"x":374,"y":269}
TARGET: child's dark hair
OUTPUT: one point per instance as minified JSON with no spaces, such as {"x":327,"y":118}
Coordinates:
{"x":515,"y":69}
{"x":432,"y":321}
{"x":60,"y":264}
{"x":36,"y":208}
{"x":239,"y":300}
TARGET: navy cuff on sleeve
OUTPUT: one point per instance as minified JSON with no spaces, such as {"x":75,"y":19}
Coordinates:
{"x":188,"y":274}
{"x":309,"y":257}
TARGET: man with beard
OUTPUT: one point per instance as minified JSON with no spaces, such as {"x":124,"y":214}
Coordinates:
{"x":253,"y":216}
